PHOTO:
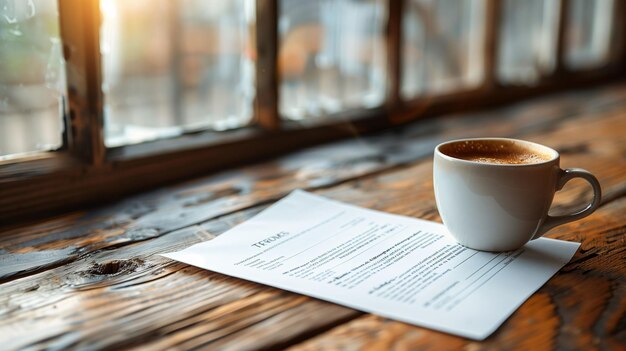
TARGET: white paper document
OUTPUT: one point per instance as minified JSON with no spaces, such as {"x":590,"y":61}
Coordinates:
{"x":394,"y":266}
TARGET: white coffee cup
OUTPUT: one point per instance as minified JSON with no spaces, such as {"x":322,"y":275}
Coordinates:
{"x":501,"y":206}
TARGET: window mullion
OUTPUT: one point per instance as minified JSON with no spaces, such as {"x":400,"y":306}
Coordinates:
{"x":493,"y":13}
{"x":617,"y":53}
{"x":267,"y":80}
{"x":80,"y":34}
{"x":561,"y":67}
{"x":394,"y":54}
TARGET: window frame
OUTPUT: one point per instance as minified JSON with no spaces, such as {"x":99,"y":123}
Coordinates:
{"x":84,"y":172}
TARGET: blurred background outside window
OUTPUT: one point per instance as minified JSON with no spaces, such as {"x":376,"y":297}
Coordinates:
{"x":442,"y":46}
{"x":32,"y":77}
{"x":172,"y":66}
{"x":332,"y":56}
{"x":527,"y":49}
{"x":589,"y":34}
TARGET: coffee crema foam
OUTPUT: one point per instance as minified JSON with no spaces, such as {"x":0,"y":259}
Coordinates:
{"x":494,"y":151}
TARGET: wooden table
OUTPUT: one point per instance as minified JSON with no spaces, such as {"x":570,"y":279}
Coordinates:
{"x":93,"y":279}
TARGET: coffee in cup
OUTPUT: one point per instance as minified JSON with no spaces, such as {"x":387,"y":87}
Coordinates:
{"x":494,"y":194}
{"x":497,"y":151}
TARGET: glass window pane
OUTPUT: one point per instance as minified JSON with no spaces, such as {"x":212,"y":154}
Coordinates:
{"x":589,"y":33}
{"x":442,"y":43}
{"x":174,"y":66}
{"x":32,"y":76}
{"x":332,"y":56}
{"x":527,"y":46}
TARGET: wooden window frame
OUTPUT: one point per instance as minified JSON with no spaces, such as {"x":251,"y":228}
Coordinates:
{"x":85,"y":172}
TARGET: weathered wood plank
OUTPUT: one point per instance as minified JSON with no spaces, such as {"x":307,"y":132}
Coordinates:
{"x":123,"y":277}
{"x":157,"y":213}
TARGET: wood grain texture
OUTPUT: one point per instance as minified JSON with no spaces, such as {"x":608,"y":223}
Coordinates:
{"x":83,"y":69}
{"x":93,"y":279}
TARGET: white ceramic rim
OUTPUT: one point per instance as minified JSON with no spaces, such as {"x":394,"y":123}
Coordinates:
{"x":548,"y":151}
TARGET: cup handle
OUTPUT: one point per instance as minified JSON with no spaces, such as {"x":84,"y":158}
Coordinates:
{"x":564,"y":177}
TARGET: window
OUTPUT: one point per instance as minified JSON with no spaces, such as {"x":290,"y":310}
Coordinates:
{"x":589,"y":30}
{"x":175,"y":66}
{"x":102,"y":98}
{"x":329,"y":62}
{"x":441,"y":46}
{"x":529,"y":40}
{"x":32,"y":77}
